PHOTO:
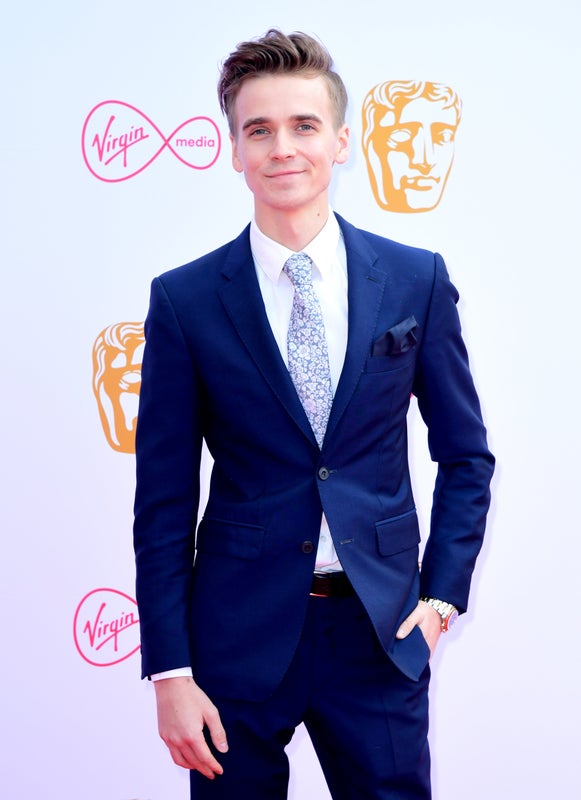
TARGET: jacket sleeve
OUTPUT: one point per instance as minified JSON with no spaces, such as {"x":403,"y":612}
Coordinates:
{"x":168,"y":451}
{"x":457,"y":441}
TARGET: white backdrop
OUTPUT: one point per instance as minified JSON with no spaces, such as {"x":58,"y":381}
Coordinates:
{"x":77,"y":255}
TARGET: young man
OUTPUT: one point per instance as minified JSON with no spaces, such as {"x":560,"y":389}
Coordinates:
{"x":292,"y":351}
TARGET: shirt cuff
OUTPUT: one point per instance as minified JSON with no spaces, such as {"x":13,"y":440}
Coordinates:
{"x":181,"y":672}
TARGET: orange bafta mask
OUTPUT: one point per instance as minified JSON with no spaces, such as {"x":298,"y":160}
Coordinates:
{"x":117,"y":355}
{"x":409,"y":128}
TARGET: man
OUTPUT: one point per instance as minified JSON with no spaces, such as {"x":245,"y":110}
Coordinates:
{"x":303,"y":603}
{"x":409,"y":129}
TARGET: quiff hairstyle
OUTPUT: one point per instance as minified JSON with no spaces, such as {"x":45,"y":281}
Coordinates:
{"x":278,"y":54}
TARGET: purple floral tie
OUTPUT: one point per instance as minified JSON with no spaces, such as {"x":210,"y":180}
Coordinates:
{"x":308,"y":358}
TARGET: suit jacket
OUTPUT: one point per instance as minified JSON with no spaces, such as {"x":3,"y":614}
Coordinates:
{"x":212,"y":370}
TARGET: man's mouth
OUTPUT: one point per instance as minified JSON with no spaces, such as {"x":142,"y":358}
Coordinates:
{"x":284,"y":174}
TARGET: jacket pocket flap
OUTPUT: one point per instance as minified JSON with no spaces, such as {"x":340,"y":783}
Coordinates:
{"x":396,"y":534}
{"x":229,"y":539}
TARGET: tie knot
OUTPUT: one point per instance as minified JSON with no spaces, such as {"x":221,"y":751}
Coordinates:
{"x":299,"y":269}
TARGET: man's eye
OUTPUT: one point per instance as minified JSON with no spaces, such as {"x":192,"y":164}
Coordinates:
{"x":306,"y":126}
{"x":259,"y":132}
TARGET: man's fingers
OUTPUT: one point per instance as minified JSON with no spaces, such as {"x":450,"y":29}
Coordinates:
{"x":201,"y":758}
{"x":184,"y":712}
{"x":428,"y":621}
{"x":195,"y":755}
{"x":407,"y":626}
{"x":216,"y":729}
{"x":219,"y":740}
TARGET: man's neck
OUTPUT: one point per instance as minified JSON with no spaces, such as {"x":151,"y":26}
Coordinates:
{"x":293,"y":229}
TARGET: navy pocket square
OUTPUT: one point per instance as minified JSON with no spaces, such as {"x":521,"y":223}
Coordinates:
{"x":399,"y":339}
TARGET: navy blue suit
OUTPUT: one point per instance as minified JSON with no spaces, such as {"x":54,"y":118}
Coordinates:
{"x":212,"y":370}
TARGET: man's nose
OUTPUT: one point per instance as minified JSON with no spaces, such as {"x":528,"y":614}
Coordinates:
{"x":423,"y":154}
{"x":282,"y":146}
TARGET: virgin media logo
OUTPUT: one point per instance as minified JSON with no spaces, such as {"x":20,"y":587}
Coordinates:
{"x":106,"y":627}
{"x":119,"y":141}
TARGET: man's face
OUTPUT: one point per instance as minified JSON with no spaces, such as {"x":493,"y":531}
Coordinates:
{"x":410,"y":156}
{"x":286,"y":142}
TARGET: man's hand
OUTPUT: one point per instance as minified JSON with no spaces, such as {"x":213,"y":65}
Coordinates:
{"x":182,"y":712}
{"x":429,"y":622}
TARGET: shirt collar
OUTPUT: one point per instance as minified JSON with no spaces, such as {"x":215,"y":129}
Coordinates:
{"x":270,"y":256}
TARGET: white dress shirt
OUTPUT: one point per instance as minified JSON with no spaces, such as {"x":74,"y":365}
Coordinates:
{"x":327,"y":252}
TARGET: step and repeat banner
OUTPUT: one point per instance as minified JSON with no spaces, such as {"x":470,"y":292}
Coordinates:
{"x":116,"y":167}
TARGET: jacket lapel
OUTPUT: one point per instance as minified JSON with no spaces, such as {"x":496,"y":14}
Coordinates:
{"x":366,"y":285}
{"x":242,"y":301}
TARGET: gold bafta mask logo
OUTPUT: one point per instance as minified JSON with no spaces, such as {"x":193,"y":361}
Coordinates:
{"x":117,"y":356}
{"x":409,"y":128}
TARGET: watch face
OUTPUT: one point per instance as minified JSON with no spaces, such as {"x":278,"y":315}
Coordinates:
{"x":451,"y":620}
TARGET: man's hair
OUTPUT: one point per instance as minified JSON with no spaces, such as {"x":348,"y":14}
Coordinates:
{"x":278,"y":54}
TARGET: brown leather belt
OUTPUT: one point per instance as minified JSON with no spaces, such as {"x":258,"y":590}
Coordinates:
{"x":331,"y":584}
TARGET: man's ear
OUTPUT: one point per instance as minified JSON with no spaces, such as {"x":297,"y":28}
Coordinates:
{"x":236,"y":163}
{"x":343,"y":145}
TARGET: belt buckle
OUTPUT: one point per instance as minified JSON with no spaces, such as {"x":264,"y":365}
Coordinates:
{"x":324,"y":578}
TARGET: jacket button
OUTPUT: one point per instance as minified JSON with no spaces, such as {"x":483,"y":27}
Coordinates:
{"x":324,"y":473}
{"x":307,"y":547}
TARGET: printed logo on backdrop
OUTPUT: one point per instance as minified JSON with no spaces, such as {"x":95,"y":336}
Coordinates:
{"x":105,"y":627}
{"x":409,"y":130}
{"x":119,"y":141}
{"x":117,"y":356}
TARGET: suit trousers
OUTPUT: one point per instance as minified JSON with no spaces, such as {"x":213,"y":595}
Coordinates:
{"x":368,"y":722}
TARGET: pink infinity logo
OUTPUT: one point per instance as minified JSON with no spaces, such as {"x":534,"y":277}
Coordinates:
{"x":119,"y":141}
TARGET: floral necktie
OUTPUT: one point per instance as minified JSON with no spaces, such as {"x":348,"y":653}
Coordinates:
{"x":308,"y":358}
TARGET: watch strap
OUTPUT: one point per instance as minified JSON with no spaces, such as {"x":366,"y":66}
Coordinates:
{"x":447,"y":611}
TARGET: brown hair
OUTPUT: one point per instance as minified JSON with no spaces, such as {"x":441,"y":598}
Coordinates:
{"x":276,"y":54}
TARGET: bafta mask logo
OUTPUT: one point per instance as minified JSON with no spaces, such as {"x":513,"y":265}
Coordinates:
{"x":117,"y":356}
{"x":409,"y":128}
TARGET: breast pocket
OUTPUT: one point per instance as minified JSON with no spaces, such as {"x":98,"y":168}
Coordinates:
{"x":390,"y":363}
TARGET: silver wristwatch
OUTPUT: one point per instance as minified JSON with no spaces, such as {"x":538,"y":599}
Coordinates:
{"x":447,"y":611}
